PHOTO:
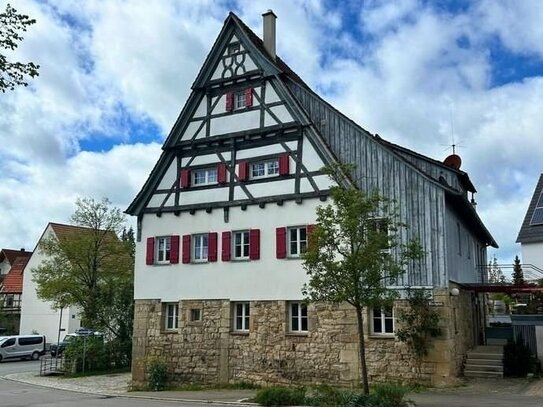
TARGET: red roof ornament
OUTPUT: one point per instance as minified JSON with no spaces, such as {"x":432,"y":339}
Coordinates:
{"x":453,"y":161}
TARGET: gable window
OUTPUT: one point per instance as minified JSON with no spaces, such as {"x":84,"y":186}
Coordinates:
{"x":200,"y":247}
{"x":171,"y":313}
{"x":241,"y":245}
{"x":298,"y":317}
{"x":233,"y":49}
{"x":205,"y":176}
{"x":382,"y":321}
{"x":263,"y":169}
{"x":163,"y":248}
{"x":297,"y":241}
{"x":239,"y":100}
{"x":242,"y":315}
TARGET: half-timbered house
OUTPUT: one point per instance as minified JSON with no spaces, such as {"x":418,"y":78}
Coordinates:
{"x":226,"y":213}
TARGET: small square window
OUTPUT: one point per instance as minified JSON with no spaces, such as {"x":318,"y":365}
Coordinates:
{"x":239,"y":100}
{"x":233,"y":49}
{"x":297,"y":241}
{"x":242,"y":315}
{"x":199,"y":247}
{"x":382,"y":321}
{"x":171,"y":313}
{"x":241,"y":245}
{"x":195,"y":314}
{"x":298,"y":317}
{"x":162,"y":254}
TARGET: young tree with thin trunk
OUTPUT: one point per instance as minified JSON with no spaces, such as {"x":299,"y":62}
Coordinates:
{"x":355,"y":253}
{"x":518,"y":274}
{"x":91,"y":268}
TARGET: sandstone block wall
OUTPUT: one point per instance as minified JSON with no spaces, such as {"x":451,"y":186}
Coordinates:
{"x":209,"y":351}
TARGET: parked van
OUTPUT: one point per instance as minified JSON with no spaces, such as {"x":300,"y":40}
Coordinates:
{"x":22,"y":347}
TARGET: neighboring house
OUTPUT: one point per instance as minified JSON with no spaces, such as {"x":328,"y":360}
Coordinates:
{"x":227,"y":211}
{"x":11,"y":288}
{"x":38,"y":316}
{"x":530,"y":235}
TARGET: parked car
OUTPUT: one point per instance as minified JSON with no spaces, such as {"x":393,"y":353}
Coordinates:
{"x":22,"y":347}
{"x":81,"y":332}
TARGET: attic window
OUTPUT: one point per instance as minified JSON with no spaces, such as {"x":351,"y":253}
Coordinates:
{"x":233,"y":49}
{"x":239,"y":100}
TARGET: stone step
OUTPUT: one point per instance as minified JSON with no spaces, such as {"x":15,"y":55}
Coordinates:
{"x":488,"y":349}
{"x":480,"y":355}
{"x":483,"y":368}
{"x":488,"y":362}
{"x":470,"y":373}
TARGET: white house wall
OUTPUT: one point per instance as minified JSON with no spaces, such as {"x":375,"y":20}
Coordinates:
{"x":532,"y":253}
{"x":265,"y":279}
{"x":37,"y":315}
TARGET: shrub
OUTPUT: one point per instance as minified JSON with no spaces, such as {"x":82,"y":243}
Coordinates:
{"x":157,"y":371}
{"x":281,"y":396}
{"x":389,"y":395}
{"x":87,"y":353}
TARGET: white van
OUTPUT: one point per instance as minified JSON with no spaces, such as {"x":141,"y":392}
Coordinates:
{"x":22,"y":347}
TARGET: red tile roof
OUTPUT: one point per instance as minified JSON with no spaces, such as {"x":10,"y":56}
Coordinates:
{"x":13,"y":281}
{"x":12,"y":255}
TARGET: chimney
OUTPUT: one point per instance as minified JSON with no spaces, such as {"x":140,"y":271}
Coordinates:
{"x":269,"y":32}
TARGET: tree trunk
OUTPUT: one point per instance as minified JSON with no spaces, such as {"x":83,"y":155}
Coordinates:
{"x":362,"y":349}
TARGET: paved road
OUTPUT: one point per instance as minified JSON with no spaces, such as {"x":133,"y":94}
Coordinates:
{"x":476,"y":400}
{"x":19,"y":366}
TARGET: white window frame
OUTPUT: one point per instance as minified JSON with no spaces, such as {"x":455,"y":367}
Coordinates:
{"x":195,"y":312}
{"x":241,"y":314}
{"x":300,"y":244}
{"x":199,"y":251}
{"x":240,"y":101}
{"x":296,"y":315}
{"x":163,"y":249}
{"x":269,"y":168}
{"x":244,"y":244}
{"x":383,"y":317}
{"x":171,"y":316}
{"x":204,"y":176}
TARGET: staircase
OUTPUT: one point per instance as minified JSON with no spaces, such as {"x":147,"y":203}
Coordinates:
{"x":484,"y":361}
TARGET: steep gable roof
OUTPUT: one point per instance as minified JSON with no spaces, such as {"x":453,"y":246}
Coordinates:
{"x":531,"y":233}
{"x":11,"y":255}
{"x":13,"y":282}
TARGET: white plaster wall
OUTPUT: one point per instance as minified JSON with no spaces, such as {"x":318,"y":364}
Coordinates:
{"x":532,"y":253}
{"x":271,"y":94}
{"x":169,"y":177}
{"x":267,"y":278}
{"x":236,"y":122}
{"x":201,"y":110}
{"x":191,"y":130}
{"x":37,"y":315}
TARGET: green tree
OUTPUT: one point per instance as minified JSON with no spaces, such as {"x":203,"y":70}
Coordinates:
{"x":90,"y":267}
{"x":355,"y":252}
{"x":518,"y":274}
{"x":13,"y":74}
{"x":495,"y":273}
{"x":419,"y":323}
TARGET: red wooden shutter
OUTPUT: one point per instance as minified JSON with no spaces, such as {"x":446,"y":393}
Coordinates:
{"x":185,"y":178}
{"x":284,"y":164}
{"x":229,"y":101}
{"x":254,"y":244}
{"x":174,"y":249}
{"x":212,"y":246}
{"x":309,"y":232}
{"x":281,"y":243}
{"x":243,"y":170}
{"x":150,"y":255}
{"x":221,"y":173}
{"x":248,"y":97}
{"x":226,"y":249}
{"x":186,"y":249}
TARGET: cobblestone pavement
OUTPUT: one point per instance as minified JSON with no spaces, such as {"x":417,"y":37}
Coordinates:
{"x":118,"y":385}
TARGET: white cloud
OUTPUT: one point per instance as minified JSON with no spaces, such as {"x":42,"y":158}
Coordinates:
{"x":406,"y":71}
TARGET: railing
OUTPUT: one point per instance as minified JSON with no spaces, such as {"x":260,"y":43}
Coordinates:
{"x":52,"y":365}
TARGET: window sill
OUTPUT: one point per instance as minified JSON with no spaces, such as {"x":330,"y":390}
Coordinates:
{"x":169,"y":331}
{"x":239,"y":333}
{"x":303,"y":334}
{"x":381,"y":336}
{"x":241,"y":259}
{"x":195,"y":323}
{"x":199,"y":261}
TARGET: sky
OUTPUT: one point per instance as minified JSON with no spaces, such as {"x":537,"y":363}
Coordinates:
{"x":115,"y":74}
